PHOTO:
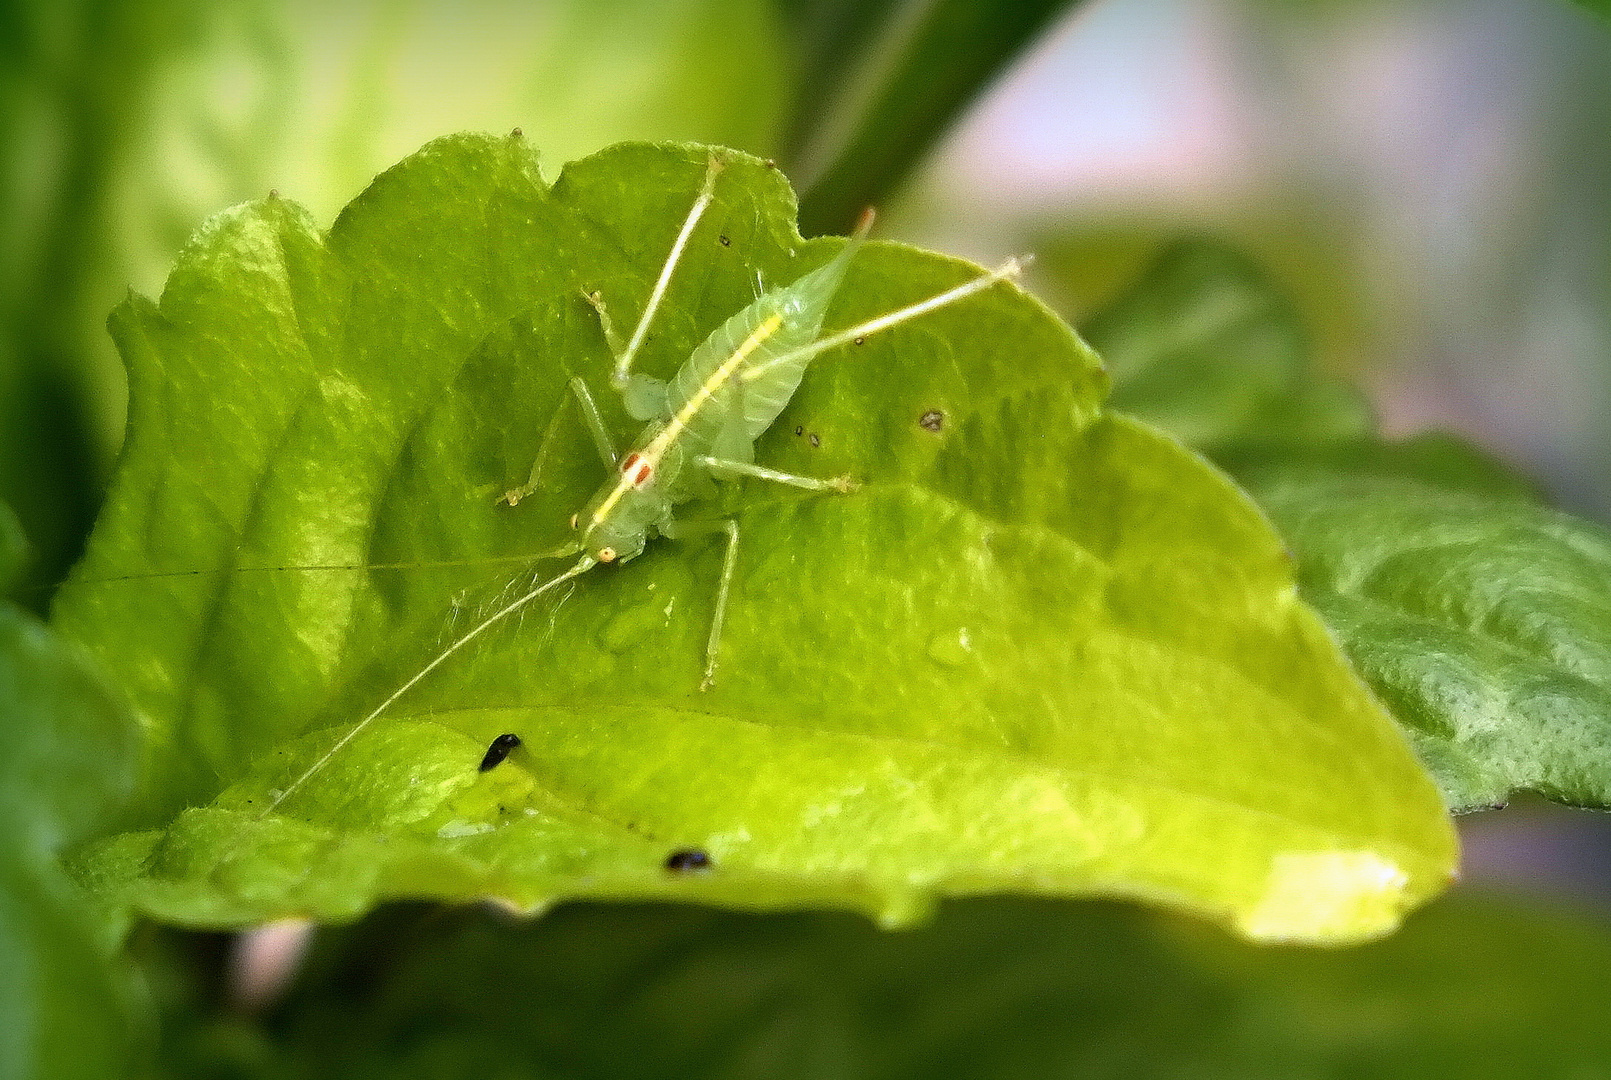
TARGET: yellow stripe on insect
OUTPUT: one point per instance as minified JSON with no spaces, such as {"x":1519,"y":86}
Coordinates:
{"x":649,"y":457}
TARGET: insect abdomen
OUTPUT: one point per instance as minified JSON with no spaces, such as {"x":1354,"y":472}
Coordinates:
{"x":797,"y":311}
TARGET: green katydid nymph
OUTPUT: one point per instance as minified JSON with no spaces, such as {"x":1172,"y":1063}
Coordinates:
{"x":700,"y":424}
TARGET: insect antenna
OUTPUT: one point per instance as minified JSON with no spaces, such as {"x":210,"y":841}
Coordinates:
{"x":420,"y":564}
{"x":1007,"y":271}
{"x":582,"y":565}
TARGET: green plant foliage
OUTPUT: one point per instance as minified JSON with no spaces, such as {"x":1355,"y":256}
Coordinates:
{"x":992,"y":988}
{"x":1476,"y":615}
{"x":1206,"y":347}
{"x":68,"y":116}
{"x":13,"y":549}
{"x":1041,"y":649}
{"x":69,"y":1007}
{"x":879,"y":82}
{"x":1480,"y":619}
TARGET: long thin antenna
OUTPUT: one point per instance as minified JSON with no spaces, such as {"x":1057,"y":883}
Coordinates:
{"x":585,"y":563}
{"x":421,"y":564}
{"x":1007,"y":270}
{"x":623,"y":363}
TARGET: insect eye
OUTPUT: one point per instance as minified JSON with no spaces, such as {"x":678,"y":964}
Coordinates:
{"x":606,"y":554}
{"x":573,"y":521}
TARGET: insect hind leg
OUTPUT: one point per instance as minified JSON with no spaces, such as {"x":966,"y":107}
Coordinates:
{"x":683,"y":530}
{"x":761,"y":472}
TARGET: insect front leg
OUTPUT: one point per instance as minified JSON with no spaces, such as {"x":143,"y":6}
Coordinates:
{"x":624,"y":355}
{"x":675,"y":530}
{"x":643,"y":396}
{"x":595,"y":427}
{"x":760,"y":472}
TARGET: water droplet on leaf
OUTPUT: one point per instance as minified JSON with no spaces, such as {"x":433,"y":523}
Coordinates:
{"x":951,"y":648}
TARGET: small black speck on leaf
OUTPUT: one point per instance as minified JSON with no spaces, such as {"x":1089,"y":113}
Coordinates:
{"x":861,"y":341}
{"x":499,"y":750}
{"x":815,"y":439}
{"x":799,"y":431}
{"x":516,"y":133}
{"x":687,"y":860}
{"x":932,"y":420}
{"x":725,"y":241}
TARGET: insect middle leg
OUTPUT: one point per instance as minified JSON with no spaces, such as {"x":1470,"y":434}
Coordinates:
{"x":683,"y":530}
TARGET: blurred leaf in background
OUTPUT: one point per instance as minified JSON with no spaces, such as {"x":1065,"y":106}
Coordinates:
{"x":1205,"y":346}
{"x":70,"y":1008}
{"x":880,"y":82}
{"x":1429,"y":182}
{"x":1001,"y":988}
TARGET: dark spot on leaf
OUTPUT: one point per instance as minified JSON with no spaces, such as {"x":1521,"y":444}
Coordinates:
{"x":770,"y":164}
{"x":815,"y":440}
{"x":725,"y":241}
{"x":799,"y":431}
{"x":499,"y":750}
{"x":861,"y":341}
{"x":516,"y":133}
{"x":687,"y":860}
{"x":932,"y":420}
{"x":274,"y":193}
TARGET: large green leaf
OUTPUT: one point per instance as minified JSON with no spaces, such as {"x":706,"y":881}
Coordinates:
{"x":992,"y":988}
{"x":1482,"y":619}
{"x":67,"y":1003}
{"x":1040,"y":649}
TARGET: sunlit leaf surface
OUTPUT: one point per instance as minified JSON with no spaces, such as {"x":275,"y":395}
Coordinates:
{"x":1040,"y":649}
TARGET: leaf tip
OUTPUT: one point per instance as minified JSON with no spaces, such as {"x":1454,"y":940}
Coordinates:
{"x":1328,"y":897}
